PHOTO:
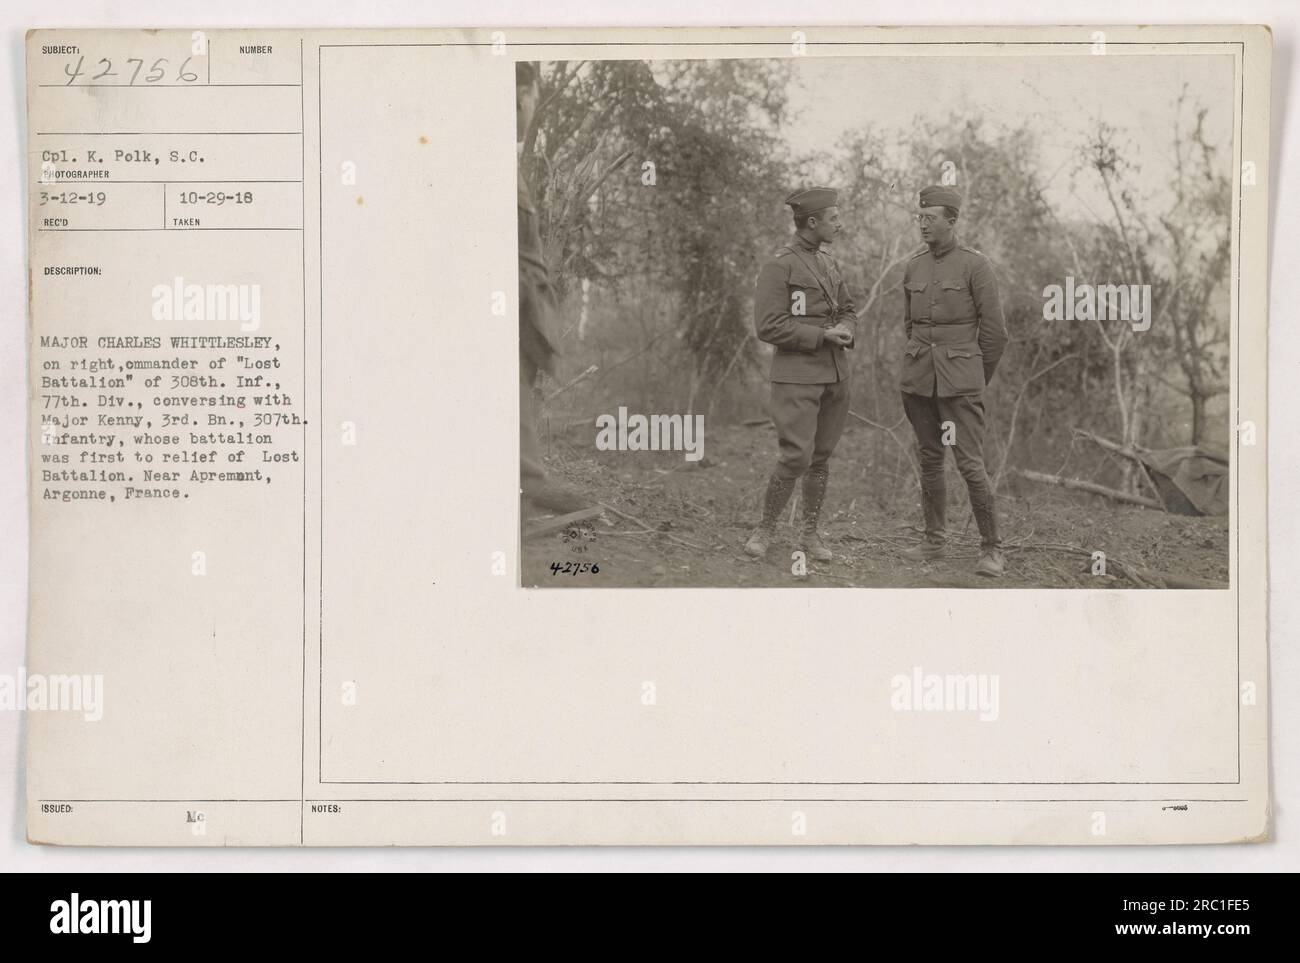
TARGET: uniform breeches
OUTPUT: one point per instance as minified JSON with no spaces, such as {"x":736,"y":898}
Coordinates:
{"x":809,"y":420}
{"x":956,"y":423}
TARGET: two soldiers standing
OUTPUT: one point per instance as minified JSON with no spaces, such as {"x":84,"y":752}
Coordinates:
{"x":955,"y":336}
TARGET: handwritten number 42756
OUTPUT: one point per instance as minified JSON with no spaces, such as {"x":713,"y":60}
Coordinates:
{"x":156,"y":73}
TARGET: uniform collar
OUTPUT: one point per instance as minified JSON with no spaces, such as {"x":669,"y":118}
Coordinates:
{"x":804,"y":244}
{"x":944,"y":248}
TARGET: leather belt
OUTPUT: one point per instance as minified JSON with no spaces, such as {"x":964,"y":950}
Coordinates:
{"x":956,"y":332}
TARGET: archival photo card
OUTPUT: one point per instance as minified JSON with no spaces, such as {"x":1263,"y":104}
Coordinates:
{"x":348,"y":348}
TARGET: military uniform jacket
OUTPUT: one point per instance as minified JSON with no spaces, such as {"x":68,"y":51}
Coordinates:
{"x":800,"y":293}
{"x":953,"y":318}
{"x":537,"y":309}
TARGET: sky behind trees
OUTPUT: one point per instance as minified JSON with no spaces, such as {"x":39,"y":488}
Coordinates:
{"x":1059,"y":98}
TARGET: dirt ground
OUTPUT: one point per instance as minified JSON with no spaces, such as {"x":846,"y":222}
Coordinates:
{"x":684,"y":524}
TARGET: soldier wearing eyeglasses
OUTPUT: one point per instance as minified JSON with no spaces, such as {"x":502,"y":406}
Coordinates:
{"x":955,"y":336}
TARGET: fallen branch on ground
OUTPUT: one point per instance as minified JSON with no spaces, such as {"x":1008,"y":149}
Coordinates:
{"x":560,"y":522}
{"x":1079,"y":484}
{"x":1131,"y":452}
{"x":561,"y":390}
{"x":649,"y":528}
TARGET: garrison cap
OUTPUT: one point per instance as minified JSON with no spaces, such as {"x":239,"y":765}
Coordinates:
{"x":811,"y":200}
{"x":940,"y":197}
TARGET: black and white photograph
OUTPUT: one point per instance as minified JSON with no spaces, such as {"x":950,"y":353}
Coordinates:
{"x":877,"y":322}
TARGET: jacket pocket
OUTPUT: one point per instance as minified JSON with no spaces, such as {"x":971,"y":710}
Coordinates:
{"x":955,"y":300}
{"x":963,"y":368}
